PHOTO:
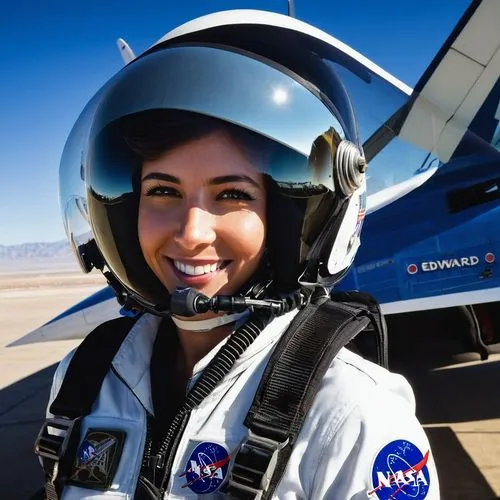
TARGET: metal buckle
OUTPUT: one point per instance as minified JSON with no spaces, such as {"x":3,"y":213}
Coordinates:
{"x":156,"y":461}
{"x":254,"y":465}
{"x":53,"y":446}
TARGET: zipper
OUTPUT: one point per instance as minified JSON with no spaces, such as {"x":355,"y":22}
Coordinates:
{"x":160,"y":461}
{"x":171,"y":451}
{"x":166,"y":446}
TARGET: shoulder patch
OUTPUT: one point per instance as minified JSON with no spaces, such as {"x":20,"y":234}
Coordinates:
{"x":97,"y":459}
{"x":206,"y":468}
{"x":400,"y":471}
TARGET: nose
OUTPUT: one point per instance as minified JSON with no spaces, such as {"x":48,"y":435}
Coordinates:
{"x":196,"y":228}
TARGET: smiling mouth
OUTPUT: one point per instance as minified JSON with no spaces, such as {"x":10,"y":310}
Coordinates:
{"x":199,"y":270}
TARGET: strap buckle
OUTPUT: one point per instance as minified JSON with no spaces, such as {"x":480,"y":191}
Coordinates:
{"x":54,"y":446}
{"x":254,"y":466}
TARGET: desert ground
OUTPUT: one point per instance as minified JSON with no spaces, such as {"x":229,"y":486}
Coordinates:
{"x":458,"y":402}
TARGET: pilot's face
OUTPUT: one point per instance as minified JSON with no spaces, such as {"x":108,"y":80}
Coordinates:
{"x":202,"y":216}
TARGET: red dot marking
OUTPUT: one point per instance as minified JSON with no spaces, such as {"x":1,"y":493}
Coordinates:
{"x":489,"y":258}
{"x":412,"y":269}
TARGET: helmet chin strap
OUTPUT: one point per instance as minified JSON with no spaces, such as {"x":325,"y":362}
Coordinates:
{"x":206,"y":325}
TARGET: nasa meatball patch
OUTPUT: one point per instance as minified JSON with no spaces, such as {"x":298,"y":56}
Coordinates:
{"x":206,"y":468}
{"x":400,"y":471}
{"x":97,"y":459}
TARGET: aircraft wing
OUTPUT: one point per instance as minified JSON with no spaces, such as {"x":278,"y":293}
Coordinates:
{"x":457,"y":82}
{"x":77,"y":321}
{"x":431,"y":125}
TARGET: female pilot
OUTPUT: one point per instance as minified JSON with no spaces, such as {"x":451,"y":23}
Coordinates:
{"x":225,"y":162}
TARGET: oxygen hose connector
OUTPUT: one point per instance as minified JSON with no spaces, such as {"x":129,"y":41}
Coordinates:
{"x":351,"y":166}
{"x":189,"y":302}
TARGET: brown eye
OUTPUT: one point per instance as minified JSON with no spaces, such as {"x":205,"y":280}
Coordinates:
{"x":162,"y":191}
{"x":235,"y":194}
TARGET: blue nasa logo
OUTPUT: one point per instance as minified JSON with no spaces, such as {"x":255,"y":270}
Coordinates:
{"x":400,"y":471}
{"x":206,"y":468}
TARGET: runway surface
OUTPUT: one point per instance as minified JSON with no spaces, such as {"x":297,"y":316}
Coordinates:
{"x":457,"y":401}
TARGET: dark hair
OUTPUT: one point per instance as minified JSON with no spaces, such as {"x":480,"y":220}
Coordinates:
{"x":151,"y":133}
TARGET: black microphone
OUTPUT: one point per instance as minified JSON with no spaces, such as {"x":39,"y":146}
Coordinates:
{"x":186,"y":301}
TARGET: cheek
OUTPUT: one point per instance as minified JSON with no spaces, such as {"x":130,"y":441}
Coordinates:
{"x":143,"y":231}
{"x":247,"y":233}
{"x":148,"y":230}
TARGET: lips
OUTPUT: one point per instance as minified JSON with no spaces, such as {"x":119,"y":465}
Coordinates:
{"x":200,"y":268}
{"x":197,"y":270}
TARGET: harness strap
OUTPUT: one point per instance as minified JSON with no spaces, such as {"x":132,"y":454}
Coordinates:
{"x":367,"y":343}
{"x":287,"y":391}
{"x":83,"y":380}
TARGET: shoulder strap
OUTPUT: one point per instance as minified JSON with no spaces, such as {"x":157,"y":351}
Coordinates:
{"x":289,"y":386}
{"x":371,"y":343}
{"x":81,"y":385}
{"x":88,"y":367}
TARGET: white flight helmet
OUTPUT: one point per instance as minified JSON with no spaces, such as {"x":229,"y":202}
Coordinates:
{"x":269,"y":75}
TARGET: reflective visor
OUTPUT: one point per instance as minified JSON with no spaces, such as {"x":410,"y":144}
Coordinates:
{"x":231,"y":86}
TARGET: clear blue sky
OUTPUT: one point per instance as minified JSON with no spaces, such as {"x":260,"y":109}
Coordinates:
{"x":56,"y":54}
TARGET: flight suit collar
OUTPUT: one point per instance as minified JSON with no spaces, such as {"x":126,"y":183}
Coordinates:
{"x":133,"y":359}
{"x":132,"y":362}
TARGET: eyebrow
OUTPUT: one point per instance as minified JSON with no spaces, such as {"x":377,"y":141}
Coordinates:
{"x":215,"y":181}
{"x":224,"y":179}
{"x":160,"y":176}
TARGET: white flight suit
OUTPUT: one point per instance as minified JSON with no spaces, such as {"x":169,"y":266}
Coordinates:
{"x":360,"y":408}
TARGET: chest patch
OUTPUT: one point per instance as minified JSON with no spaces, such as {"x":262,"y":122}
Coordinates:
{"x":206,"y":468}
{"x":400,"y":471}
{"x":97,"y":459}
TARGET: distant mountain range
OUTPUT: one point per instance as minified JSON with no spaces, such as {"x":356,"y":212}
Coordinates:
{"x":35,"y":250}
{"x":37,"y":257}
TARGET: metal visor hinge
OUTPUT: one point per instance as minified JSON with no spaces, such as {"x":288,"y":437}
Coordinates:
{"x":254,"y":467}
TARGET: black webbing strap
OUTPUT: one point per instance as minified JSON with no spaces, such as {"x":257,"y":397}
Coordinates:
{"x":287,"y":390}
{"x":81,"y":385}
{"x":373,"y":342}
{"x":88,"y":367}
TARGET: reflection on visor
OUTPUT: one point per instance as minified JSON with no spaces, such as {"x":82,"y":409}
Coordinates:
{"x":77,"y":226}
{"x":223,"y":85}
{"x":72,"y":188}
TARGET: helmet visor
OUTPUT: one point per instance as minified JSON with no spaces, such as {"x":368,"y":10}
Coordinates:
{"x":229,"y":86}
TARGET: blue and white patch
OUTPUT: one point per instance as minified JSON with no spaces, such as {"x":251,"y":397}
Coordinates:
{"x":97,"y":459}
{"x":206,"y":468}
{"x":400,"y":471}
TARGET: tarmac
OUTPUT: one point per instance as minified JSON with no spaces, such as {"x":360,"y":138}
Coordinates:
{"x":458,"y":398}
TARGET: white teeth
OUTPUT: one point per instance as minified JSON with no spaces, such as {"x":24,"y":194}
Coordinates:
{"x":197,"y":270}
